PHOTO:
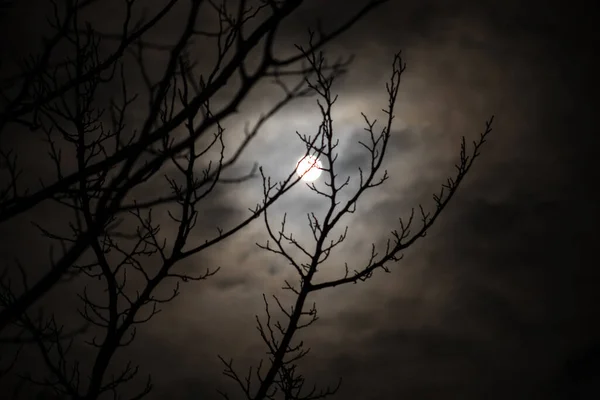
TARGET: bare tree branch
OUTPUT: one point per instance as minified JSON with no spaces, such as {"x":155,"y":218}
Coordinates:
{"x":281,"y":378}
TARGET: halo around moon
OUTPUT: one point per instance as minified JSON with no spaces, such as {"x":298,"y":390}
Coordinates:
{"x":309,"y":168}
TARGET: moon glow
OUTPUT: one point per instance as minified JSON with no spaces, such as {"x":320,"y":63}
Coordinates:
{"x":309,"y":168}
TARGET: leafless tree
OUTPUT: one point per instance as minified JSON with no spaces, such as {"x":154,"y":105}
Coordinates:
{"x":100,"y":161}
{"x":114,"y":244}
{"x":280,"y":378}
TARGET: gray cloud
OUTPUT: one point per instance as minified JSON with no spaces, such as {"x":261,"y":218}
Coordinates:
{"x":498,"y":300}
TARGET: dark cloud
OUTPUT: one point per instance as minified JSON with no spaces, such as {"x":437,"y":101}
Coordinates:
{"x":498,"y":301}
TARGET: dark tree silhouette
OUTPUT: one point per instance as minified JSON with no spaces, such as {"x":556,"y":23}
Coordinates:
{"x":102,"y":164}
{"x":281,"y":378}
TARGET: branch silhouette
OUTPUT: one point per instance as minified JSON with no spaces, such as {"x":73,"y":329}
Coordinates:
{"x":103,"y":166}
{"x":280,"y":377}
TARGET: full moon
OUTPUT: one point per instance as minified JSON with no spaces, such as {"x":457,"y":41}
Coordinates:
{"x":309,"y":168}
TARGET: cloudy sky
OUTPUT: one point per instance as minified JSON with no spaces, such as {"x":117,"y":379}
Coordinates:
{"x":498,"y":300}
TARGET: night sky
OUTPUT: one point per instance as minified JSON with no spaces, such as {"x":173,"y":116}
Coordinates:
{"x":498,"y":301}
